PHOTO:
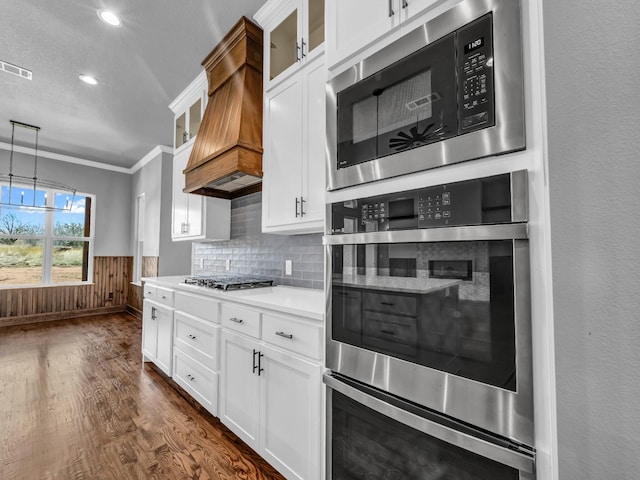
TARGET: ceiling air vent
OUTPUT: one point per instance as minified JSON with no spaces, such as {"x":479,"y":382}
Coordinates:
{"x":15,"y":70}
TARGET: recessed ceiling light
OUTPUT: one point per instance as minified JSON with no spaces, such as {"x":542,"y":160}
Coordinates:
{"x":88,"y":79}
{"x":109,"y":18}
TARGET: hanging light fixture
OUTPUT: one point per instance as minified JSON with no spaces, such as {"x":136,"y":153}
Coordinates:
{"x":22,"y":183}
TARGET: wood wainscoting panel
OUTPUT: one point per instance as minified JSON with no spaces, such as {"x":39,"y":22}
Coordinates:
{"x":108,"y":293}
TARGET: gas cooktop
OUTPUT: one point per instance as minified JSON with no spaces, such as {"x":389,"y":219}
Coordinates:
{"x":228,"y":282}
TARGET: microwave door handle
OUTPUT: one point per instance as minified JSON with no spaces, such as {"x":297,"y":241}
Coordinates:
{"x":506,"y":456}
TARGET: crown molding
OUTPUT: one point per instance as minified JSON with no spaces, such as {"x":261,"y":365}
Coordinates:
{"x":157,"y":150}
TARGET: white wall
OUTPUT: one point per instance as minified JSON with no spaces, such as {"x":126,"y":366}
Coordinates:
{"x":592,"y":78}
{"x":112,"y":191}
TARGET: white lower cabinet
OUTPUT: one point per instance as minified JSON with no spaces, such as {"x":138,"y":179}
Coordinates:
{"x":157,"y":335}
{"x":199,"y":381}
{"x":273,"y":401}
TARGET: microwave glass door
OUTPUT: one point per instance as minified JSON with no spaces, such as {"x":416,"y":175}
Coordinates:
{"x":443,"y":305}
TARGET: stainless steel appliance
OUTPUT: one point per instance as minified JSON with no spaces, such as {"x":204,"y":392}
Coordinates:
{"x":449,"y":91}
{"x":429,"y":303}
{"x":228,"y":282}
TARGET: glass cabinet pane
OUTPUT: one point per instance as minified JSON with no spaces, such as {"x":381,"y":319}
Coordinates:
{"x":181,"y":129}
{"x":283,"y":45}
{"x":316,"y":23}
{"x":194,"y":118}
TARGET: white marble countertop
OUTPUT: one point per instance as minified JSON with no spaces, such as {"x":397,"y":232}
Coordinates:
{"x":304,"y":302}
{"x":395,"y":284}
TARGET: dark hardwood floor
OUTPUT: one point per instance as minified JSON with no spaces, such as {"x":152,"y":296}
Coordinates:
{"x":76,"y":402}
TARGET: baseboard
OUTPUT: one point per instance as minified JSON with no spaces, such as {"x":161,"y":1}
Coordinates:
{"x":50,"y":317}
{"x":134,"y":311}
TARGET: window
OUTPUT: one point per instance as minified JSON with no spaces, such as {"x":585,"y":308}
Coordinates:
{"x":45,"y":247}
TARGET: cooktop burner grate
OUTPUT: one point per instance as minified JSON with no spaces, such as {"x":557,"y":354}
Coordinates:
{"x":228,"y":282}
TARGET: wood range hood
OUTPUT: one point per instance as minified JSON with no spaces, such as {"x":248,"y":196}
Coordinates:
{"x":226,"y":160}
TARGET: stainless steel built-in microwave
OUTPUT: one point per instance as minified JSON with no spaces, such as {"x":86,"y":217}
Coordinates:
{"x":449,"y":91}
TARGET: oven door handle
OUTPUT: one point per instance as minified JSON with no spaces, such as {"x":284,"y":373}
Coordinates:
{"x":520,"y":461}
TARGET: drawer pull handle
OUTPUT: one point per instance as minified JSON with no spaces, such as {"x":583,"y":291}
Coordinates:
{"x":236,"y":320}
{"x":285,"y":335}
{"x":192,"y":337}
{"x":163,"y":296}
{"x":388,"y":332}
{"x":388,"y":304}
{"x":191,"y":377}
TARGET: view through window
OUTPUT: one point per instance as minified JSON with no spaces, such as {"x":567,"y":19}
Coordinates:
{"x":44,"y":247}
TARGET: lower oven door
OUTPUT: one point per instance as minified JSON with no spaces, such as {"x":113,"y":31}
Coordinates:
{"x":374,"y":436}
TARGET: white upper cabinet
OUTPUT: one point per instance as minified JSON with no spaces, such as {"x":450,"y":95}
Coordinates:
{"x":294,"y":153}
{"x":188,"y":108}
{"x":195,"y":217}
{"x":293,"y":35}
{"x":353,"y":25}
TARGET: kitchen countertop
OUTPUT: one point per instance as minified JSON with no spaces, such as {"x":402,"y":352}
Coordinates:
{"x":395,"y":284}
{"x":304,"y":302}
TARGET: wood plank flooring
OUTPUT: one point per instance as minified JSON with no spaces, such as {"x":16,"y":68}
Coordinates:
{"x":77,"y":403}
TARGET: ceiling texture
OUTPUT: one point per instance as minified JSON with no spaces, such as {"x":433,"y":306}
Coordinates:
{"x":141,"y":67}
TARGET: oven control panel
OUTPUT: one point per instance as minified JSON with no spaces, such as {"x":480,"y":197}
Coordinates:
{"x":487,"y":200}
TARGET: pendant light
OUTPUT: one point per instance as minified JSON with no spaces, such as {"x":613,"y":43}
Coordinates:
{"x":23,"y":183}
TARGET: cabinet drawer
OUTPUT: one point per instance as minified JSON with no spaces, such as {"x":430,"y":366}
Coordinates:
{"x":198,"y":338}
{"x":296,"y":335}
{"x":198,"y":305}
{"x":164,"y":296}
{"x":241,"y":320}
{"x":389,"y":303}
{"x":150,"y":291}
{"x":199,"y":382}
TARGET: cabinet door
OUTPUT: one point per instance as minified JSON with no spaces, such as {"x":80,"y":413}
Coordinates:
{"x":282,"y":35}
{"x":290,"y":414}
{"x":149,"y":330}
{"x":354,"y":24}
{"x":313,"y":34}
{"x":164,"y":351}
{"x":179,"y":198}
{"x":313,"y":159}
{"x":194,"y":215}
{"x":410,"y":8}
{"x":282,"y":163}
{"x":239,"y":387}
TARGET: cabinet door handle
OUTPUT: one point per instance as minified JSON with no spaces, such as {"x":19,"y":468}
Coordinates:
{"x":388,"y":332}
{"x":405,"y":3}
{"x":297,"y":52}
{"x":303,"y":45}
{"x":153,"y":313}
{"x":285,"y":335}
{"x":391,"y":12}
{"x":236,"y":320}
{"x":255,"y":352}
{"x":192,"y":337}
{"x":191,"y":377}
{"x":260,"y":369}
{"x":297,"y":202}
{"x":302,"y":201}
{"x":388,"y":304}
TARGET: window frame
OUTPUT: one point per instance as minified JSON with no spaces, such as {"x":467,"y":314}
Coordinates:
{"x":48,"y":238}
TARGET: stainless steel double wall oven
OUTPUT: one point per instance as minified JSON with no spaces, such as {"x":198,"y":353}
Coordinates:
{"x":429,"y":333}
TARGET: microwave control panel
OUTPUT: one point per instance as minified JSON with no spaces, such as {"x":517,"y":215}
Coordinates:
{"x":472,"y":202}
{"x":475,"y":75}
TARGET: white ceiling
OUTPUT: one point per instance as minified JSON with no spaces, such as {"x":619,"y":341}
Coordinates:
{"x":141,"y":66}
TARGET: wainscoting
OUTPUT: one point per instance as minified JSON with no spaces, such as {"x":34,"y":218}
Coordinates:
{"x":109,"y":292}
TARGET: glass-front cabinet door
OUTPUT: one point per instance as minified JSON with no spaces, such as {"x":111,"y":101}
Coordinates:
{"x":294,"y":29}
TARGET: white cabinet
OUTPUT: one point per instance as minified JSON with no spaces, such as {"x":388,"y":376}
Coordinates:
{"x":294,"y":152}
{"x":272,"y":398}
{"x":355,"y":24}
{"x":293,"y":35}
{"x":157,"y":335}
{"x":195,"y":217}
{"x":196,"y":337}
{"x":188,"y":108}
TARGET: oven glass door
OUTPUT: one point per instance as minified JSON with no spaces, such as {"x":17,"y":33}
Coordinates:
{"x":371,"y":439}
{"x":448,"y":306}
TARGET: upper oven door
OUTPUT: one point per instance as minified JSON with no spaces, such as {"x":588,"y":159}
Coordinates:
{"x":449,"y":91}
{"x":438,"y":316}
